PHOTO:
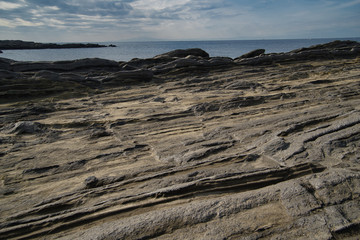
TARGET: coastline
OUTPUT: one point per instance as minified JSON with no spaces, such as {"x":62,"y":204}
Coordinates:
{"x":19,"y":45}
{"x":125,"y":51}
{"x":182,"y":144}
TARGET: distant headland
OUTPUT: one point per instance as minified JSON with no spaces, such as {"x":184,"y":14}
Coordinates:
{"x":19,"y":44}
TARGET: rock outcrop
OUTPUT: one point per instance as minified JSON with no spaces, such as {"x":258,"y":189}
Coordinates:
{"x":183,"y":147}
{"x":181,"y":53}
{"x":70,"y":65}
{"x":333,"y":50}
{"x":253,"y":53}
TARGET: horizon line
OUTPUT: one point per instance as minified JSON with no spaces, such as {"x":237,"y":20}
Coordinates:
{"x":184,"y":40}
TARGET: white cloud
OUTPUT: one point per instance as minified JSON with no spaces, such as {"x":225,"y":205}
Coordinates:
{"x":5,"y":22}
{"x":349,"y":4}
{"x":158,"y":5}
{"x":51,"y":8}
{"x":9,"y":5}
{"x":22,"y":22}
{"x":177,"y":19}
{"x":18,"y":22}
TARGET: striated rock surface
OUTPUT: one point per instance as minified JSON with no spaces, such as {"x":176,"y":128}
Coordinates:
{"x":183,"y":147}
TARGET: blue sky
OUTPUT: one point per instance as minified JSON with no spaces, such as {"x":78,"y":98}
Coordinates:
{"x":127,"y":20}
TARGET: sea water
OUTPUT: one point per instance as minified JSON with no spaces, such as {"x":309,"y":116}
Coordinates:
{"x":125,"y":51}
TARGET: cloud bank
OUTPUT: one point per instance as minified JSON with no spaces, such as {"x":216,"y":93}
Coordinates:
{"x":112,"y":20}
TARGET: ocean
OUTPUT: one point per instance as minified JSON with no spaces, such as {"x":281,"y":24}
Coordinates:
{"x":126,"y":51}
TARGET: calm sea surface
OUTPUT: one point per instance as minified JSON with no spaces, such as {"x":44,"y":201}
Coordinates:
{"x":125,"y":51}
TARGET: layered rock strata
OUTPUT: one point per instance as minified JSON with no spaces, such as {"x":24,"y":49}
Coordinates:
{"x":183,"y":147}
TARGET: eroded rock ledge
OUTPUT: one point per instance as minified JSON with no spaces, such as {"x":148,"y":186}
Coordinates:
{"x":183,"y":146}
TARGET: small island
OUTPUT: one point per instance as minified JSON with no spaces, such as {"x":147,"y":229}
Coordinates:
{"x":19,"y":44}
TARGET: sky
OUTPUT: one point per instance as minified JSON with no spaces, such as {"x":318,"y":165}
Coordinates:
{"x":147,"y":20}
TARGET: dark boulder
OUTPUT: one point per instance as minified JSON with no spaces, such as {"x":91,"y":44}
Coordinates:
{"x":91,"y":182}
{"x":253,"y":53}
{"x":181,"y":53}
{"x":168,"y":57}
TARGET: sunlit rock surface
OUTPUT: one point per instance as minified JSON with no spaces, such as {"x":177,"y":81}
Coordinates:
{"x":183,"y":147}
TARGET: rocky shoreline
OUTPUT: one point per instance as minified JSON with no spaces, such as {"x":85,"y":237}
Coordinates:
{"x":183,"y":146}
{"x":19,"y":44}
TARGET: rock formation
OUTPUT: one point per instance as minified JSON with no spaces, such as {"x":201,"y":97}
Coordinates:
{"x":253,"y":53}
{"x":183,"y":146}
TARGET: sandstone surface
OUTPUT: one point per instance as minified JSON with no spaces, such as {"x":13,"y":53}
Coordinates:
{"x":183,"y":146}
